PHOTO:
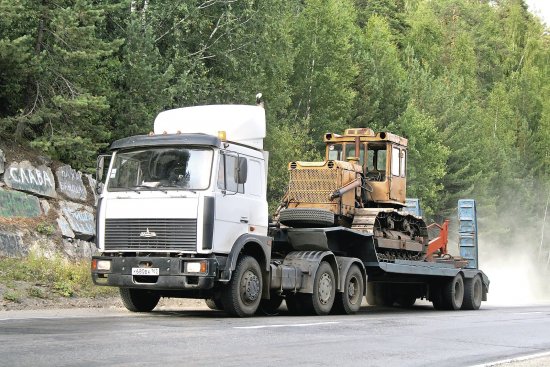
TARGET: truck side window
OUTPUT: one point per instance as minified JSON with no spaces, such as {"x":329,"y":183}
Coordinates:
{"x":228,"y":172}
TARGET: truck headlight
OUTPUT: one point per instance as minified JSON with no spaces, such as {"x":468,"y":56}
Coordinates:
{"x":102,"y":265}
{"x":196,"y":267}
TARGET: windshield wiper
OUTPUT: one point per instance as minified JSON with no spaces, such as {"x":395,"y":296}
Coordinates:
{"x":139,"y":187}
{"x":178,"y":187}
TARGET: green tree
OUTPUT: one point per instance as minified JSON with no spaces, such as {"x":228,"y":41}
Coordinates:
{"x":380,"y":84}
{"x":65,"y":96}
{"x":427,"y":157}
{"x":324,"y":69}
{"x":143,"y":87}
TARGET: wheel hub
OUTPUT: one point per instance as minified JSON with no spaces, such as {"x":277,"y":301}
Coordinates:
{"x":250,"y":286}
{"x":325,"y":288}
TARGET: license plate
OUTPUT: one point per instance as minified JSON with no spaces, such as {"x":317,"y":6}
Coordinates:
{"x":145,"y":271}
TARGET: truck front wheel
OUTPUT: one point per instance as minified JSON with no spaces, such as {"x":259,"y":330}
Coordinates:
{"x":139,"y":300}
{"x":242,"y":295}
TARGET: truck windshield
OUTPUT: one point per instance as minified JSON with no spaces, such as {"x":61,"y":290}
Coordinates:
{"x":161,"y":169}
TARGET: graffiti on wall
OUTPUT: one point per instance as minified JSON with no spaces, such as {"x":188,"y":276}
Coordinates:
{"x":25,"y":177}
{"x":70,"y":183}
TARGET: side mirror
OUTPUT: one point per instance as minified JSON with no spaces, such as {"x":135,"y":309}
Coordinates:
{"x":242,"y":171}
{"x":102,"y":165}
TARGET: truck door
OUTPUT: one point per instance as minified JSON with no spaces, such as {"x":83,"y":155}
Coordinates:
{"x":233,"y":208}
{"x":397,"y":174}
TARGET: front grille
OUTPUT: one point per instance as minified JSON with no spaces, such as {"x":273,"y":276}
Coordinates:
{"x":313,"y":185}
{"x":137,"y":234}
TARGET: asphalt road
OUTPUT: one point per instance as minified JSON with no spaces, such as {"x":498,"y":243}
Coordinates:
{"x":374,"y":337}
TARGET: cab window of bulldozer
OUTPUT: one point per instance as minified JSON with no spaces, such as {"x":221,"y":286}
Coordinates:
{"x":350,"y":152}
{"x":376,"y":163}
{"x":403,"y":162}
{"x":335,"y":152}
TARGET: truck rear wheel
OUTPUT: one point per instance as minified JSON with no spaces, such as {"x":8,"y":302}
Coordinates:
{"x":139,"y":300}
{"x":473,"y":293}
{"x":452,"y":293}
{"x":349,"y":301}
{"x":306,"y":217}
{"x":320,"y":302}
{"x":242,"y":295}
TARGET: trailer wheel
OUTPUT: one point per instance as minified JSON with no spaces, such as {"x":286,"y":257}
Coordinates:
{"x":324,"y":291}
{"x":349,"y":301}
{"x":242,"y":295}
{"x":270,"y":307}
{"x":453,"y":293}
{"x":306,"y":217}
{"x":139,"y":300}
{"x":473,"y":293}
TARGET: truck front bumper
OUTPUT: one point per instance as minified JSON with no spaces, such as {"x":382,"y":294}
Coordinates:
{"x":173,"y":273}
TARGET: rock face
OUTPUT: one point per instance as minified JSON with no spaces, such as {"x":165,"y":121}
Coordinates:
{"x":18,"y":204}
{"x":2,"y":161}
{"x":11,"y":246}
{"x":24,"y":176}
{"x":43,"y":214}
{"x":70,"y":183}
{"x":80,"y":218}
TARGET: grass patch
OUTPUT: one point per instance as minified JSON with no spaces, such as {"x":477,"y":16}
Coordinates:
{"x":13,"y":296}
{"x":56,"y":275}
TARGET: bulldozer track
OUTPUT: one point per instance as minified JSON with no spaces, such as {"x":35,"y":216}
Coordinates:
{"x":367,"y":220}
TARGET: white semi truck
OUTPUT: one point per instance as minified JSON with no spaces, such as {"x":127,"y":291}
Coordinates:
{"x":183,"y":213}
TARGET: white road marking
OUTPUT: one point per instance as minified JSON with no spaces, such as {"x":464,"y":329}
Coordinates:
{"x":515,"y":359}
{"x":527,"y":313}
{"x":285,"y":325}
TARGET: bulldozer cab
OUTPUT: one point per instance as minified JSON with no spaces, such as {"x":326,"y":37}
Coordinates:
{"x":383,"y":158}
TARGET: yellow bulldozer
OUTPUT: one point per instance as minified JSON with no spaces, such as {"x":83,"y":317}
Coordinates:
{"x":361,"y":185}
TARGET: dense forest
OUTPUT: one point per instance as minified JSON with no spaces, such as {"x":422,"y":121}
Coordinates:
{"x":467,"y":81}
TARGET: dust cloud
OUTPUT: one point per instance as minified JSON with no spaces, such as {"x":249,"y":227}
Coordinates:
{"x":519,"y":275}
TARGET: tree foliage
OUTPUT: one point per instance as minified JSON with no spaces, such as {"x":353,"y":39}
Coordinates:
{"x":467,"y":82}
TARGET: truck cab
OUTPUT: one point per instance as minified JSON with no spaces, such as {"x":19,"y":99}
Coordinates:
{"x":180,"y":204}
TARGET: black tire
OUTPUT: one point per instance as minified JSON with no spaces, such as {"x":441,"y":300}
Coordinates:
{"x":452,"y":293}
{"x":139,"y":300}
{"x":473,"y":293}
{"x":242,"y":295}
{"x":214,"y":304}
{"x":349,"y":301}
{"x":320,"y":302}
{"x":270,"y":307}
{"x":306,"y":217}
